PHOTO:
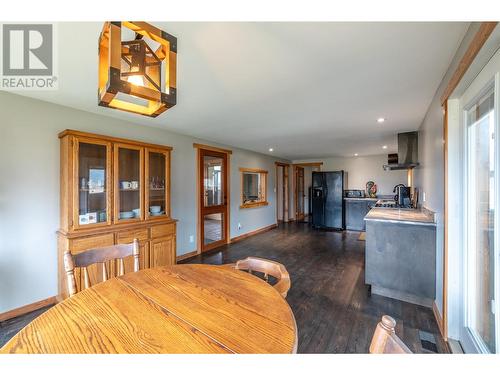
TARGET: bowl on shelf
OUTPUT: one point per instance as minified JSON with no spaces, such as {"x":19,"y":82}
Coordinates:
{"x":137,"y":212}
{"x":126,"y":215}
{"x":154,"y":209}
{"x":157,"y":213}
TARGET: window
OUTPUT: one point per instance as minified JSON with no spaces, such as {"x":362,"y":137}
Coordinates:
{"x":480,"y":248}
{"x":253,"y":187}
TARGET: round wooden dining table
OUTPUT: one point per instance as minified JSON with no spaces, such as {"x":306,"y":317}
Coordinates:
{"x":175,"y":309}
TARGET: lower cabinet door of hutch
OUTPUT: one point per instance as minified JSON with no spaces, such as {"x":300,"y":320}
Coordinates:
{"x":162,"y":252}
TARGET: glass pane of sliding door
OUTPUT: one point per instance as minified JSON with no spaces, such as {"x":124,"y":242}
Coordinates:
{"x":480,"y":247}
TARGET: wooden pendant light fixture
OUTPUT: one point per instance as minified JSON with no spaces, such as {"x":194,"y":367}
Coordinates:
{"x":137,"y":75}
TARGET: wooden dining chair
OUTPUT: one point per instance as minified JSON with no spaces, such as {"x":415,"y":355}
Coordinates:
{"x":268,"y":268}
{"x":95,"y":256}
{"x":385,"y":340}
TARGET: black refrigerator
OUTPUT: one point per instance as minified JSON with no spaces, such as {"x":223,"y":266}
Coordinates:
{"x":328,"y":200}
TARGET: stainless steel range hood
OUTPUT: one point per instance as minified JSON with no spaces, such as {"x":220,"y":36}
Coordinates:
{"x":407,"y":152}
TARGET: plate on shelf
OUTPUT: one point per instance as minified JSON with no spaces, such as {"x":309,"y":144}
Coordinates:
{"x":157,"y":213}
{"x":126,"y":215}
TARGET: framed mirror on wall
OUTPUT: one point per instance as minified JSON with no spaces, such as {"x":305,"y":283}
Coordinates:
{"x":253,"y":187}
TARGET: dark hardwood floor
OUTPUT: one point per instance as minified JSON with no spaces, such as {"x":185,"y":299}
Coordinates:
{"x":329,"y":298}
{"x":331,"y":303}
{"x":9,"y":328}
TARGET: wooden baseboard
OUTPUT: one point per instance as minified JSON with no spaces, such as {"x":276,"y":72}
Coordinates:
{"x":187,"y":256}
{"x":439,"y":320}
{"x":28,"y":308}
{"x":253,"y":233}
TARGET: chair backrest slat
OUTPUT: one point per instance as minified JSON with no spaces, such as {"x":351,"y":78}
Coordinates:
{"x":121,"y":267}
{"x":267,"y":267}
{"x":104,"y":272}
{"x":385,"y":340}
{"x":86,"y":278}
{"x":103,"y":254}
{"x":95,"y":256}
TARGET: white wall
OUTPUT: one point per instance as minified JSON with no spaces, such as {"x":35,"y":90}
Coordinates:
{"x":430,"y":178}
{"x":29,"y":190}
{"x":362,"y":169}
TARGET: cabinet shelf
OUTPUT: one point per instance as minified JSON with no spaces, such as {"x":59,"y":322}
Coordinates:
{"x":90,"y":192}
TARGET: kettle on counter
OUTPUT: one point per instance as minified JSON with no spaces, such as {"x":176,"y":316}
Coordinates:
{"x":402,"y":197}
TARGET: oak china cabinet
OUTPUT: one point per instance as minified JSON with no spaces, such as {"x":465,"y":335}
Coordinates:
{"x":112,"y":191}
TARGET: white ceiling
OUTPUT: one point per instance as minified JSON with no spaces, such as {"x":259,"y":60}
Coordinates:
{"x":308,"y":90}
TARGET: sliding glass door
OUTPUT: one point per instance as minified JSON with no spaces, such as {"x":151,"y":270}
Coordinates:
{"x":481,"y":223}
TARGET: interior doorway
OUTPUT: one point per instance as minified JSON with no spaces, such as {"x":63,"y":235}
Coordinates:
{"x":282,"y":196}
{"x":213,"y":198}
{"x":302,"y":184}
{"x":299,"y":193}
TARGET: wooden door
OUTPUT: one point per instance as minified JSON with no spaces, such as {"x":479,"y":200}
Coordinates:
{"x":299,"y":193}
{"x":213,"y":199}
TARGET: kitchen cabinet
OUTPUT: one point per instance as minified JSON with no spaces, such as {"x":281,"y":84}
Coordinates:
{"x":356,"y":210}
{"x":113,"y":190}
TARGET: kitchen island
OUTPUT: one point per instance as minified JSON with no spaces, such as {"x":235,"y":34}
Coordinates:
{"x":400,"y":256}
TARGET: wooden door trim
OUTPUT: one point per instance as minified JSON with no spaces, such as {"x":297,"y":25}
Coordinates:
{"x":295,"y":191}
{"x":475,"y":46}
{"x":314,"y":164}
{"x":212,"y":148}
{"x":285,"y":197}
{"x":443,"y":319}
{"x":199,"y":199}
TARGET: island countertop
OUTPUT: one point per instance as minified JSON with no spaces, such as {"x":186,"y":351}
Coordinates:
{"x":404,"y":216}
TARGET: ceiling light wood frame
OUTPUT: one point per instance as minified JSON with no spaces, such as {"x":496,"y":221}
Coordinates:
{"x":111,"y":53}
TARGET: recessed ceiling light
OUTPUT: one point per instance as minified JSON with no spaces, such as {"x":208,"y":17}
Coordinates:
{"x":384,"y":147}
{"x":355,"y":154}
{"x":271,"y":149}
{"x":380,"y":120}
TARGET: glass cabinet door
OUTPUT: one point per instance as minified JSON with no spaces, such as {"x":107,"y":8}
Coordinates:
{"x":157,"y":177}
{"x":128,"y":183}
{"x":93,"y":173}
